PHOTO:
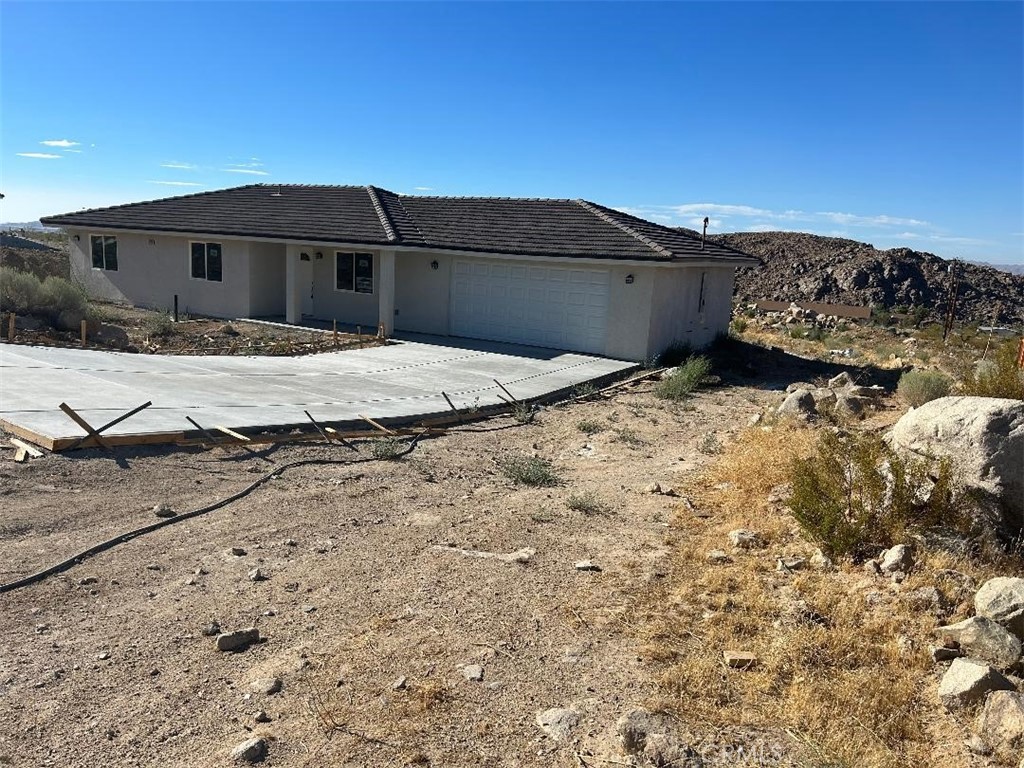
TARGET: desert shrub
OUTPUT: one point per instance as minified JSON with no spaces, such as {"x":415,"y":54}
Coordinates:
{"x":628,"y":436}
{"x":584,"y":389}
{"x":920,"y":387}
{"x":686,"y":378}
{"x":739,"y":325}
{"x":19,"y":291}
{"x":589,"y":426}
{"x":588,"y":504}
{"x":523,"y":413}
{"x":158,"y":325}
{"x":855,"y":496}
{"x":529,"y":470}
{"x":386,"y":449}
{"x":998,"y":376}
{"x":63,"y":302}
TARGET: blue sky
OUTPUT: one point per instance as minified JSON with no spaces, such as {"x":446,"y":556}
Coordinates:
{"x":892,"y":123}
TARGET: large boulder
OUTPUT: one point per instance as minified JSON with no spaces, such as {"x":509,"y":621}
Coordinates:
{"x":984,"y":439}
{"x":967,"y":682}
{"x":984,"y":639}
{"x":1001,"y":724}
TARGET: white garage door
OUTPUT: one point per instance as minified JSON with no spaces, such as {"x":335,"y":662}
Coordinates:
{"x":542,"y":306}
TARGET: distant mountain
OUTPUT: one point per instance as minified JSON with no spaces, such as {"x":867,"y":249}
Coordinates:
{"x":798,"y":266}
{"x":1013,"y":269}
{"x":9,"y":225}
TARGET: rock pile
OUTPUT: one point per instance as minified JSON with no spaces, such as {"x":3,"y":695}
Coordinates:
{"x":981,"y":678}
{"x":841,"y":397}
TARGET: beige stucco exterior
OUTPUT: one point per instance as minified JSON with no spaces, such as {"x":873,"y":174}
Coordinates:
{"x":651,"y":306}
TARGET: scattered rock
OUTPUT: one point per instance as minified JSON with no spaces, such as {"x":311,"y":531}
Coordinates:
{"x":268,"y":686}
{"x":521,"y":556}
{"x":985,"y":640}
{"x":744,"y":539}
{"x":654,"y":487}
{"x":163,"y":509}
{"x":103,"y":656}
{"x":261,"y":717}
{"x":978,"y":746}
{"x":739,"y":659}
{"x":966,"y":683}
{"x":718,"y":557}
{"x":587,"y":565}
{"x":153,"y":567}
{"x":473,"y":672}
{"x":290,"y":543}
{"x":665,"y":750}
{"x":788,"y":564}
{"x":237,"y":640}
{"x":821,"y":562}
{"x":872,"y":567}
{"x":211,"y":629}
{"x":256,"y":574}
{"x":228,"y":330}
{"x":1001,"y":724}
{"x":850,"y":406}
{"x":842,"y":381}
{"x":984,"y":439}
{"x":558,"y":723}
{"x":633,"y":728}
{"x":1002,"y":600}
{"x":250,"y":751}
{"x":898,"y":558}
{"x":399,"y":684}
{"x":798,"y":405}
{"x":88,"y":580}
{"x":942,"y":653}
{"x":237,"y":552}
{"x":926,"y":599}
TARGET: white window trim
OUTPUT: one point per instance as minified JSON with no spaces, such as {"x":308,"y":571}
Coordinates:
{"x":188,"y":261}
{"x":353,"y":254}
{"x":104,"y":267}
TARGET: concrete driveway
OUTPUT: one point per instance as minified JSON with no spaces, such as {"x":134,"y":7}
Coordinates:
{"x":400,"y":381}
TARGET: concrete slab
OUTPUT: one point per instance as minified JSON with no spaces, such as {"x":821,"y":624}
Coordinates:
{"x":401,"y":381}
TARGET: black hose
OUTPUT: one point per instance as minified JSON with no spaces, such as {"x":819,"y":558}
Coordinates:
{"x":128,"y":536}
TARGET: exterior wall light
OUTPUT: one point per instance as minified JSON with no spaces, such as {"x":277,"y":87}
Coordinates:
{"x":303,"y":257}
{"x":78,"y":238}
{"x":434,"y":265}
{"x":319,"y":255}
{"x":629,"y":278}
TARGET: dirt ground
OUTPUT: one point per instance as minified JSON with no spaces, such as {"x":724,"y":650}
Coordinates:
{"x":107,"y":663}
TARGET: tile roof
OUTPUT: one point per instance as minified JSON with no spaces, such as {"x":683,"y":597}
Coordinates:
{"x":375,"y":216}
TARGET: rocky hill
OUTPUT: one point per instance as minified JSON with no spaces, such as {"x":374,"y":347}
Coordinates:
{"x":799,"y":266}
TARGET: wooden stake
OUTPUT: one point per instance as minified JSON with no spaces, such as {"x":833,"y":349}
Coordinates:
{"x":381,"y":427}
{"x":232,"y":433}
{"x":31,"y":450}
{"x":335,"y":334}
{"x":341,"y":438}
{"x":110,"y":424}
{"x":70,"y":412}
{"x":452,"y":405}
{"x":318,"y":429}
{"x":10,"y":327}
{"x":505,"y":391}
{"x":85,"y":330}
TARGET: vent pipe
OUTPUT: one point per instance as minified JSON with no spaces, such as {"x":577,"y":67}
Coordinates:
{"x":704,"y":234}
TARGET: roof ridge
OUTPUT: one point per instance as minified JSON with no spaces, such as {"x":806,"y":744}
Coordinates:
{"x":397,"y":198}
{"x":385,"y":220}
{"x":203,"y":193}
{"x":605,"y":216}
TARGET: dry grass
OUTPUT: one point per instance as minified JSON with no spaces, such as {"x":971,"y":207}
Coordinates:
{"x":849,"y":681}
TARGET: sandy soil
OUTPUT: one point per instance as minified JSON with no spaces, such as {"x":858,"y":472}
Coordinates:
{"x":118,"y":672}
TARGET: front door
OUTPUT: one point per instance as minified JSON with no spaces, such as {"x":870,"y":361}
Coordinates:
{"x":305,"y":278}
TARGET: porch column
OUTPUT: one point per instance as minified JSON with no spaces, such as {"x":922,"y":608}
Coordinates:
{"x":292,"y":288}
{"x":386,"y":292}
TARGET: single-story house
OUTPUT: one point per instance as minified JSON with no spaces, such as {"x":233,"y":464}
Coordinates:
{"x":566,"y":274}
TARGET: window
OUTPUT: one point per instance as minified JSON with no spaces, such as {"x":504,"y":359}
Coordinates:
{"x":104,"y":252}
{"x":206,"y":261}
{"x":354,"y":272}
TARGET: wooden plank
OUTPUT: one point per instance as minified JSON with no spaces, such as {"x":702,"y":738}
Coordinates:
{"x":43,"y":441}
{"x":70,"y":413}
{"x":31,"y":450}
{"x":20,"y":455}
{"x":153,"y":438}
{"x":232,"y":433}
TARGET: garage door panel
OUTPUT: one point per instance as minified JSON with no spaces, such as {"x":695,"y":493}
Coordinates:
{"x":565,"y":308}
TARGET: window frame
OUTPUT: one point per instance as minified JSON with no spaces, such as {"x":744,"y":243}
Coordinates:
{"x":206,"y":260}
{"x":106,"y":240}
{"x":355,"y":273}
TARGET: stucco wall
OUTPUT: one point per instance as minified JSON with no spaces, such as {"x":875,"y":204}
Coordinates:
{"x":343,"y":306}
{"x":151,"y":269}
{"x":266,"y":279}
{"x":676,"y":317}
{"x":629,"y":311}
{"x":422,"y":293}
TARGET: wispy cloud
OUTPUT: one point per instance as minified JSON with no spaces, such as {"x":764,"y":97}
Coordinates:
{"x":424,"y":189}
{"x":180,"y":166}
{"x":176,"y":183}
{"x":250,"y":171}
{"x":76,"y":151}
{"x":852,"y":219}
{"x":40,"y":155}
{"x":60,"y":143}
